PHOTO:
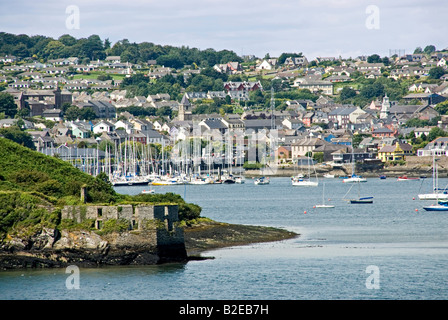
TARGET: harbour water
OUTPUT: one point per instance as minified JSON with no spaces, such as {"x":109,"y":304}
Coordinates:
{"x":333,"y":257}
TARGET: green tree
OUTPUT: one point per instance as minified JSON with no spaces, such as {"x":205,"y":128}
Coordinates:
{"x":72,"y":113}
{"x":418,"y":50}
{"x":347,"y":93}
{"x":435,"y":133}
{"x":429,"y":49}
{"x":7,"y":105}
{"x":87,"y":113}
{"x":67,"y":40}
{"x":374,"y":90}
{"x":164,"y":111}
{"x":54,"y":49}
{"x":442,"y":107}
{"x":436,"y":73}
{"x":15,"y":134}
{"x":374,"y":58}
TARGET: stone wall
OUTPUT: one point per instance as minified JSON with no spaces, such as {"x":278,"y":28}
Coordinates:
{"x":137,"y":215}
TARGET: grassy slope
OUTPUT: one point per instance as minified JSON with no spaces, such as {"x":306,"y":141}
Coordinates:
{"x":33,"y":187}
{"x":22,"y":169}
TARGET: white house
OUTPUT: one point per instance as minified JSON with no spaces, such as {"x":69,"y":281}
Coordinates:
{"x":103,"y":126}
{"x":326,"y":87}
{"x":127,"y":126}
{"x":157,"y":125}
{"x":441,"y":63}
{"x":265,"y":65}
{"x":438,"y":147}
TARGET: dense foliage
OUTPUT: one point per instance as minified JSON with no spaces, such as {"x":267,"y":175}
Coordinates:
{"x":33,"y":187}
{"x":93,"y":48}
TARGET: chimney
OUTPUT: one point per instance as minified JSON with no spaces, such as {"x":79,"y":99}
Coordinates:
{"x":83,"y":194}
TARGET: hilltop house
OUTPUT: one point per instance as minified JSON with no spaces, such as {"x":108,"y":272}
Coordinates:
{"x":326,"y":87}
{"x":267,"y":64}
{"x":242,"y":86}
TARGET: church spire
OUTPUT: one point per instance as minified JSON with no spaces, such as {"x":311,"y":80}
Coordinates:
{"x":385,"y":108}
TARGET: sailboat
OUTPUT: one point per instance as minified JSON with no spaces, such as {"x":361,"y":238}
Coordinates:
{"x":435,"y":181}
{"x":353,"y":178}
{"x":359,"y":200}
{"x":442,"y":204}
{"x":323,"y":205}
{"x":261,"y":181}
{"x":302,"y":181}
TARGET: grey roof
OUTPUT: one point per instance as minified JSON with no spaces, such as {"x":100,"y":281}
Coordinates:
{"x":185,"y":100}
{"x":215,"y":124}
{"x":342,"y":111}
{"x":409,"y":109}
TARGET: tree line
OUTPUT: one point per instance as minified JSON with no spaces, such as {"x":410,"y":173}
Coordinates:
{"x":94,"y":48}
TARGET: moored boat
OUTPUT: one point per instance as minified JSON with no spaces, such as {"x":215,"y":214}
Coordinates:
{"x":406,"y":178}
{"x":353,"y":179}
{"x":300,"y":182}
{"x":436,"y":207}
{"x":239,"y":180}
{"x":261,"y":181}
{"x":362,"y":200}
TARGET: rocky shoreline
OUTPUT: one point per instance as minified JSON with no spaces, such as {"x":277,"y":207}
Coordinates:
{"x":51,"y":248}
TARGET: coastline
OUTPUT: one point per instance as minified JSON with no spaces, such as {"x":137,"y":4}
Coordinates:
{"x":91,"y":250}
{"x":211,"y":235}
{"x":413,"y":167}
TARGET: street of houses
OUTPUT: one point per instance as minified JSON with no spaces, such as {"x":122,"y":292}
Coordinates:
{"x":303,"y":128}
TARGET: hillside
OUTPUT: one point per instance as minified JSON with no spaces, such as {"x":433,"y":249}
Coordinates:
{"x":34,"y":187}
{"x":22,"y":169}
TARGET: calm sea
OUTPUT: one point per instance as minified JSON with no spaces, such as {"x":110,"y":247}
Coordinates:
{"x":391,"y":249}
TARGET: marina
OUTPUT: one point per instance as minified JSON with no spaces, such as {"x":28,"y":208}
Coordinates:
{"x":327,"y":261}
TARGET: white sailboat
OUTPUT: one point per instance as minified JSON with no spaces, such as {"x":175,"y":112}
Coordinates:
{"x":261,"y":181}
{"x":354,"y":178}
{"x":323,"y":205}
{"x":435,"y":186}
{"x":441,"y":203}
{"x":302,"y":181}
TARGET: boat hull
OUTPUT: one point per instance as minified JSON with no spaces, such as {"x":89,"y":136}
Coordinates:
{"x":354,"y":180}
{"x":407,"y":179}
{"x":305,"y":183}
{"x":433,"y":196}
{"x":436,"y":208}
{"x":261,"y":181}
{"x":361,"y":201}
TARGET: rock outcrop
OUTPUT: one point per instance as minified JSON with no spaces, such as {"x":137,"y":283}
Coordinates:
{"x":54,"y":248}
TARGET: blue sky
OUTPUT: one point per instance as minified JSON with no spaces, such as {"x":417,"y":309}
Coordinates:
{"x":314,"y":27}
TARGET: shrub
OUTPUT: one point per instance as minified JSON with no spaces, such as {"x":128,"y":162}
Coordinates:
{"x":51,"y":187}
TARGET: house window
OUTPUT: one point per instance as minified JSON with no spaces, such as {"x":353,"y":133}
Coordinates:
{"x":100,"y":212}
